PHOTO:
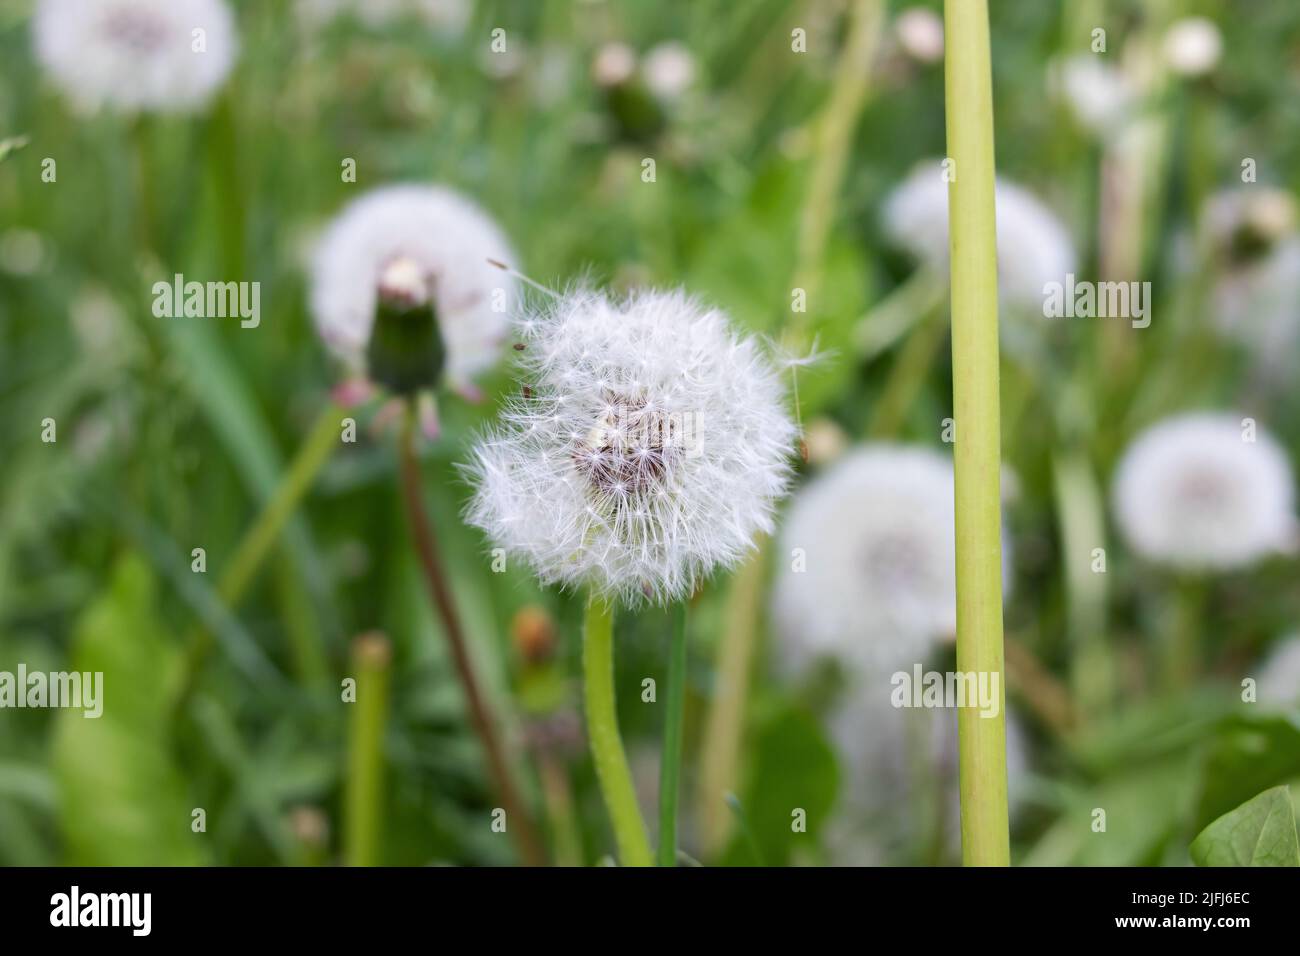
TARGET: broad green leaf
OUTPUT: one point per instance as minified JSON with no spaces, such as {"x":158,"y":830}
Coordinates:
{"x":122,"y":799}
{"x":1260,"y":832}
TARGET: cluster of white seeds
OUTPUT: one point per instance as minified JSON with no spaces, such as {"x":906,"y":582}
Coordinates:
{"x":648,"y":449}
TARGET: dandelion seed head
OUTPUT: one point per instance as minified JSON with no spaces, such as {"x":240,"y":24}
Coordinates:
{"x":1191,"y":493}
{"x":920,"y":34}
{"x":877,"y":586}
{"x":135,"y":55}
{"x":661,"y":466}
{"x":416,"y":236}
{"x":1034,"y":247}
{"x":669,"y":70}
{"x":1193,"y":45}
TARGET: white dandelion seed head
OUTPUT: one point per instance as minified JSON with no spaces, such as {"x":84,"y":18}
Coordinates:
{"x":1278,"y":686}
{"x":1099,"y":95}
{"x":669,"y":70}
{"x":1192,"y":493}
{"x":1193,"y":45}
{"x":920,"y":34}
{"x":433,"y":236}
{"x":649,"y":450}
{"x":614,"y":63}
{"x":1258,"y":304}
{"x":136,"y":55}
{"x":1256,"y":215}
{"x":876,"y":547}
{"x":1034,"y":247}
{"x":1256,"y":293}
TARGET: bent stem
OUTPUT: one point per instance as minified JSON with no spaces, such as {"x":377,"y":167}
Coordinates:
{"x":670,"y":767}
{"x":363,"y":796}
{"x":977,"y":454}
{"x":519,"y":823}
{"x":253,"y":548}
{"x":606,"y":745}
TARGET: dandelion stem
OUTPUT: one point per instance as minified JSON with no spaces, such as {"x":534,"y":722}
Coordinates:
{"x":257,"y":541}
{"x":606,"y":746}
{"x":670,"y":767}
{"x":518,"y":822}
{"x":719,"y":761}
{"x":363,"y":798}
{"x":977,"y":453}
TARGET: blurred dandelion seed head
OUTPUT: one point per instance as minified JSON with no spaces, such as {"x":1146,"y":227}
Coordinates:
{"x":877,"y":586}
{"x":1192,"y":493}
{"x":920,"y":34}
{"x":412,"y":235}
{"x":649,"y":451}
{"x":136,"y":55}
{"x":1192,"y":46}
{"x":1034,"y":246}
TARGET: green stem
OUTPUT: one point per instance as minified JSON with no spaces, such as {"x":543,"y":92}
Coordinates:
{"x":606,"y":746}
{"x":363,"y":796}
{"x":670,"y":768}
{"x":1183,"y":653}
{"x":977,"y":451}
{"x":833,"y":141}
{"x":253,"y":548}
{"x":719,"y":760}
{"x":315,"y":451}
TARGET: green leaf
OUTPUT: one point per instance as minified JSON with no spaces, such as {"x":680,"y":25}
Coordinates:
{"x":1249,"y":754}
{"x":1260,"y":832}
{"x":795,"y":773}
{"x":122,"y":799}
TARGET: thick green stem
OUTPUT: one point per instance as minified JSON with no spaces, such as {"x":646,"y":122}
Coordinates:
{"x":363,"y":797}
{"x":606,"y":746}
{"x":670,"y":767}
{"x":977,"y":452}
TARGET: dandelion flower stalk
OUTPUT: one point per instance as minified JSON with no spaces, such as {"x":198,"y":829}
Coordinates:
{"x":250,"y":554}
{"x":977,"y":453}
{"x":363,"y":799}
{"x":670,"y":767}
{"x":607,"y":752}
{"x":519,"y":823}
{"x":646,"y":452}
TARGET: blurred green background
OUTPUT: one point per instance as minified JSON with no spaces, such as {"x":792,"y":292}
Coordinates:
{"x":771,"y":171}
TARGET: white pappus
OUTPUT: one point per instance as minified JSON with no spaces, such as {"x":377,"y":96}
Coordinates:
{"x":648,"y":449}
